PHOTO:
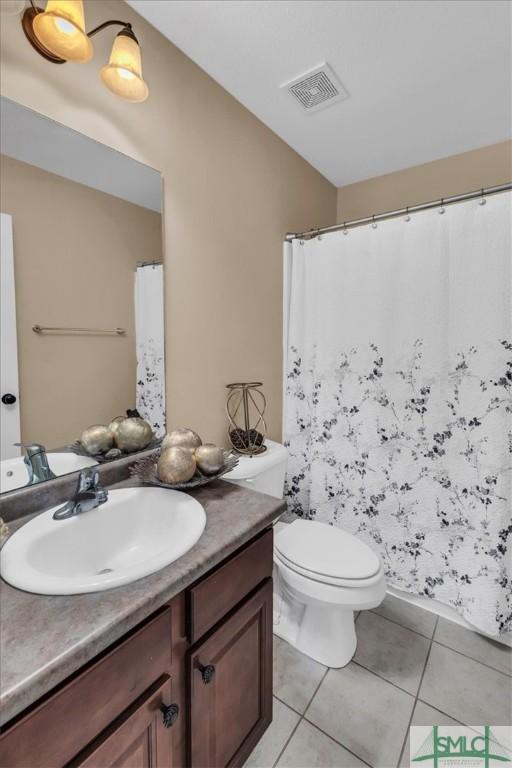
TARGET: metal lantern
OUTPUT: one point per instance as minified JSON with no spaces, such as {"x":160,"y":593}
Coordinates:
{"x":245,"y":407}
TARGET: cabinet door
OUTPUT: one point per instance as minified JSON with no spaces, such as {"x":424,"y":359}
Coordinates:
{"x":140,"y":738}
{"x":231,"y":685}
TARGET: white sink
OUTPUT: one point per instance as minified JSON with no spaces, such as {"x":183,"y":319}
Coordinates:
{"x":13,"y":472}
{"x":135,"y":533}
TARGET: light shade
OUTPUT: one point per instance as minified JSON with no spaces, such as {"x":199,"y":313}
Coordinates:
{"x":123,"y":74}
{"x":61,"y":29}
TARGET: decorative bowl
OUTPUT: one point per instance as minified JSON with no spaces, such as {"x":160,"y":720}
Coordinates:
{"x":144,"y":470}
{"x":101,"y":458}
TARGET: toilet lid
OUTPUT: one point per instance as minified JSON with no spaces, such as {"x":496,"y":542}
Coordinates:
{"x":326,"y":550}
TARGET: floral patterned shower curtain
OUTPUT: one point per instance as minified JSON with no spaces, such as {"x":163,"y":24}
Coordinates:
{"x":149,"y":332}
{"x":398,"y":398}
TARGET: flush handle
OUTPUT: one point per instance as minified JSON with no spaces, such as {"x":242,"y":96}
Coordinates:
{"x":170,"y":714}
{"x":207,"y":672}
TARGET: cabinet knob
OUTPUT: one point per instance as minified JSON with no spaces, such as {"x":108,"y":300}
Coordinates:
{"x":170,"y":714}
{"x":207,"y":672}
{"x":8,"y":399}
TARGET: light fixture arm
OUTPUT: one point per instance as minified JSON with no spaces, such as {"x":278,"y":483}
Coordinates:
{"x":125,"y":24}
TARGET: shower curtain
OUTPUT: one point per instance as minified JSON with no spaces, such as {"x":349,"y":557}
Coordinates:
{"x":398,"y":380}
{"x":149,"y":332}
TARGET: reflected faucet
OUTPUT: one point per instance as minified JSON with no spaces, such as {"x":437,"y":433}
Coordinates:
{"x":36,"y":462}
{"x":88,"y":495}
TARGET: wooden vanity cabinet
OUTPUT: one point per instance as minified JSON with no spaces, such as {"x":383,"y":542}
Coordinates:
{"x":191,"y":686}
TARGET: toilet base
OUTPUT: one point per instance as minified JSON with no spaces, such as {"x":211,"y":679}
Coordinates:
{"x":325,"y":633}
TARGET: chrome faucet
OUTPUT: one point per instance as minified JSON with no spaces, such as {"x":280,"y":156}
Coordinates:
{"x":36,"y":462}
{"x":88,"y":495}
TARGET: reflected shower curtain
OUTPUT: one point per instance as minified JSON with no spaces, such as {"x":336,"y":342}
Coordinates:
{"x":149,"y":332}
{"x":398,"y":380}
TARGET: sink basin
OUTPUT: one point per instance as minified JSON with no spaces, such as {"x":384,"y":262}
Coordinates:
{"x":13,"y":472}
{"x":135,"y":533}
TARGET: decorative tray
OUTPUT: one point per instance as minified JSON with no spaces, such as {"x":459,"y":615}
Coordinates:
{"x":102,"y":458}
{"x":144,"y":470}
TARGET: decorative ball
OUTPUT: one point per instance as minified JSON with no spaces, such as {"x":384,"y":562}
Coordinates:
{"x":176,"y":465}
{"x":97,"y":439}
{"x":133,"y":434}
{"x":114,"y":424}
{"x":209,"y":458}
{"x":182,"y":438}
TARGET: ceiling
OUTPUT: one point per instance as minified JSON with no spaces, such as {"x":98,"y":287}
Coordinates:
{"x":425,"y":78}
{"x":34,"y":139}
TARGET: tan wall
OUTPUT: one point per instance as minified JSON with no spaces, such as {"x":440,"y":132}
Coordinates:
{"x":75,"y":254}
{"x":232,"y":189}
{"x":484,"y":167}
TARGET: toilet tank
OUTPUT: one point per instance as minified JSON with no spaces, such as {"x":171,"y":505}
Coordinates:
{"x":264,"y":473}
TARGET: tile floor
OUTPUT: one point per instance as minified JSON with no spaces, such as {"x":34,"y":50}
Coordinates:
{"x":410,"y":668}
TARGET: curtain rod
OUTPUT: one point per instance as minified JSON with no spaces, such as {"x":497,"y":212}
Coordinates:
{"x":154,"y":263}
{"x":483,"y":193}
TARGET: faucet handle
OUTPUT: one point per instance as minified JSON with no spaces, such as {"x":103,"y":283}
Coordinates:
{"x":31,"y":448}
{"x":88,"y":480}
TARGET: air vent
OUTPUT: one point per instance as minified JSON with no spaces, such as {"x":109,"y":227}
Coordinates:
{"x":317,"y":88}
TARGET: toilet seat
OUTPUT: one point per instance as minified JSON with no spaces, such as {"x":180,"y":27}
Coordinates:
{"x":328,"y":580}
{"x":327,"y":554}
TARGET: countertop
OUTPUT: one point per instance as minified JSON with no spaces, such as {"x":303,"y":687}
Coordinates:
{"x":43,"y":640}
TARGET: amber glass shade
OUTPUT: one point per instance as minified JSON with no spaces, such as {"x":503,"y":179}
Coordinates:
{"x":61,"y":29}
{"x":123,"y":74}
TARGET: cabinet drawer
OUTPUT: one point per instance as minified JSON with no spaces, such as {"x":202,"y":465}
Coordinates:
{"x":54,"y":732}
{"x":213,"y":597}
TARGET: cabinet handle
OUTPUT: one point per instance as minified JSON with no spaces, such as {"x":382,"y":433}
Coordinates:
{"x":170,"y":714}
{"x":207,"y":672}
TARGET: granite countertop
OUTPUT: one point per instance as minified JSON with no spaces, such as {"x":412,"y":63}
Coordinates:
{"x":45,"y":639}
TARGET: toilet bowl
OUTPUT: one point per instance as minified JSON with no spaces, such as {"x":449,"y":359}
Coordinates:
{"x":322,"y":574}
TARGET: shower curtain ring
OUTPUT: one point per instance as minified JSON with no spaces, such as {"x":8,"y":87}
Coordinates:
{"x":301,"y":242}
{"x":345,"y":230}
{"x":442,"y":209}
{"x":482,"y":200}
{"x":374,"y":223}
{"x":407,"y":217}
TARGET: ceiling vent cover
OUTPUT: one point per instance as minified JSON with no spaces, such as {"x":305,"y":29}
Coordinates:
{"x":317,"y":88}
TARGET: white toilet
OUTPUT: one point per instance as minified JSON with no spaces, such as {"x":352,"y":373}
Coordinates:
{"x":322,"y":574}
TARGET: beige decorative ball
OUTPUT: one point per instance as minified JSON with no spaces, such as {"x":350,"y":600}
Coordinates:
{"x":176,"y":465}
{"x":97,"y":439}
{"x":182,"y":438}
{"x":114,"y":424}
{"x":209,"y":458}
{"x":133,"y":434}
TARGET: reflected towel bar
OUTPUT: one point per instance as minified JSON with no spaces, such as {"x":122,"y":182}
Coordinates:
{"x":114,"y":331}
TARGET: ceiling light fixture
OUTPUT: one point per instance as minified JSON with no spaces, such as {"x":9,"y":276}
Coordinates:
{"x":58,"y":34}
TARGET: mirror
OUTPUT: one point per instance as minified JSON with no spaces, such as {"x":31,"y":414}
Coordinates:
{"x":82,"y":333}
